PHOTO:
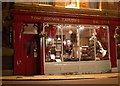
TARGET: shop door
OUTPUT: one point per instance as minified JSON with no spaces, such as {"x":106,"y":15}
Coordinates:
{"x":30,"y":50}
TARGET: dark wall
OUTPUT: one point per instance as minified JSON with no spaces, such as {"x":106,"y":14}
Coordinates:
{"x":7,"y":39}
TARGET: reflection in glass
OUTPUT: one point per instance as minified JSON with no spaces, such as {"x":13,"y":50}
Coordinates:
{"x":102,"y":38}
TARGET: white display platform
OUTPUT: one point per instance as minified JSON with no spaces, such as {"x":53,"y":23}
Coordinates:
{"x":118,"y":64}
{"x":80,"y":67}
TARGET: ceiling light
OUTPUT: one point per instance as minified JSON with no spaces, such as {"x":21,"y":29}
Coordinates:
{"x":59,"y":38}
{"x":49,"y":39}
{"x":70,"y":32}
{"x":81,"y":27}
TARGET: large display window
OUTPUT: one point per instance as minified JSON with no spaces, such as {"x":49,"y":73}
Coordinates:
{"x":75,"y":42}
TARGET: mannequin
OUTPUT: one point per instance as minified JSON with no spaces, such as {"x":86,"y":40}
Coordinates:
{"x":100,"y":52}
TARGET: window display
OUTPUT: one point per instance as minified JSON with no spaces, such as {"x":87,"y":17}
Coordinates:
{"x":72,"y":42}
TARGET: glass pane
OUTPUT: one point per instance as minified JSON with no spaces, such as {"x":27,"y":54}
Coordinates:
{"x":102,"y":50}
{"x":87,"y":42}
{"x":70,"y":47}
{"x":94,"y":43}
{"x":72,"y":42}
{"x":53,"y":43}
{"x":94,"y":5}
{"x":47,"y":2}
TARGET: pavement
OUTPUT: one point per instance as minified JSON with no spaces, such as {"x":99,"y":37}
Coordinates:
{"x":59,"y":77}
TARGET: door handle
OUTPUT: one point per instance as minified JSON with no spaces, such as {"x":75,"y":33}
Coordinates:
{"x":18,"y":62}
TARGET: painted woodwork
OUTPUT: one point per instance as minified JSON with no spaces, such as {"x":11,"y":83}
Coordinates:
{"x":22,"y":16}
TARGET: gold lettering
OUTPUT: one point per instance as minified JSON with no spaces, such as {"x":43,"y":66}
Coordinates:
{"x":35,"y":17}
{"x":70,"y":20}
{"x":100,"y":21}
{"x":105,"y":22}
{"x":47,"y":18}
{"x":51,"y":19}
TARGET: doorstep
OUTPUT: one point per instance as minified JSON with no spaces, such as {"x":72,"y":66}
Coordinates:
{"x":58,"y":77}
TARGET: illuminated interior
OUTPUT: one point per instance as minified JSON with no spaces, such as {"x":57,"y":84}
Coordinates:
{"x":72,"y":42}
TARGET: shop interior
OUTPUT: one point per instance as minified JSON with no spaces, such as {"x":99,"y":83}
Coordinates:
{"x":75,"y":42}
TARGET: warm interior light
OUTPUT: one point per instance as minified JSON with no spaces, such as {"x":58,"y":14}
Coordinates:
{"x":59,"y":26}
{"x":100,"y":6}
{"x":59,"y":32}
{"x":44,"y":5}
{"x":68,"y":42}
{"x":64,"y":42}
{"x":70,"y":32}
{"x":49,"y":39}
{"x":81,"y":27}
{"x":59,"y":38}
{"x":71,"y":6}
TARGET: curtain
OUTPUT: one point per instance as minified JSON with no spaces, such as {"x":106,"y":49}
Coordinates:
{"x":102,"y":36}
{"x":51,"y":31}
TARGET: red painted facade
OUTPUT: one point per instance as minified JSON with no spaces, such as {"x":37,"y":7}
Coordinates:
{"x":23,"y":65}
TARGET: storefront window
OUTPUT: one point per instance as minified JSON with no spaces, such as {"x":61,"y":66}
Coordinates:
{"x":72,"y":42}
{"x":70,"y":46}
{"x":100,"y":38}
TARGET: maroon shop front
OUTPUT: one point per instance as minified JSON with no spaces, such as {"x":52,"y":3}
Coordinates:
{"x":29,"y":43}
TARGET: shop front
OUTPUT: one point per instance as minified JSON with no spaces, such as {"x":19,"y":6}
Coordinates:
{"x":59,"y":43}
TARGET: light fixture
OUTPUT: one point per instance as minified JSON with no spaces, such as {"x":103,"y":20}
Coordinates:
{"x":59,"y":26}
{"x":71,"y":6}
{"x":59,"y":38}
{"x":117,"y":27}
{"x":70,"y":32}
{"x":59,"y":33}
{"x":64,"y":42}
{"x":81,"y":27}
{"x":68,"y":42}
{"x":49,"y":39}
